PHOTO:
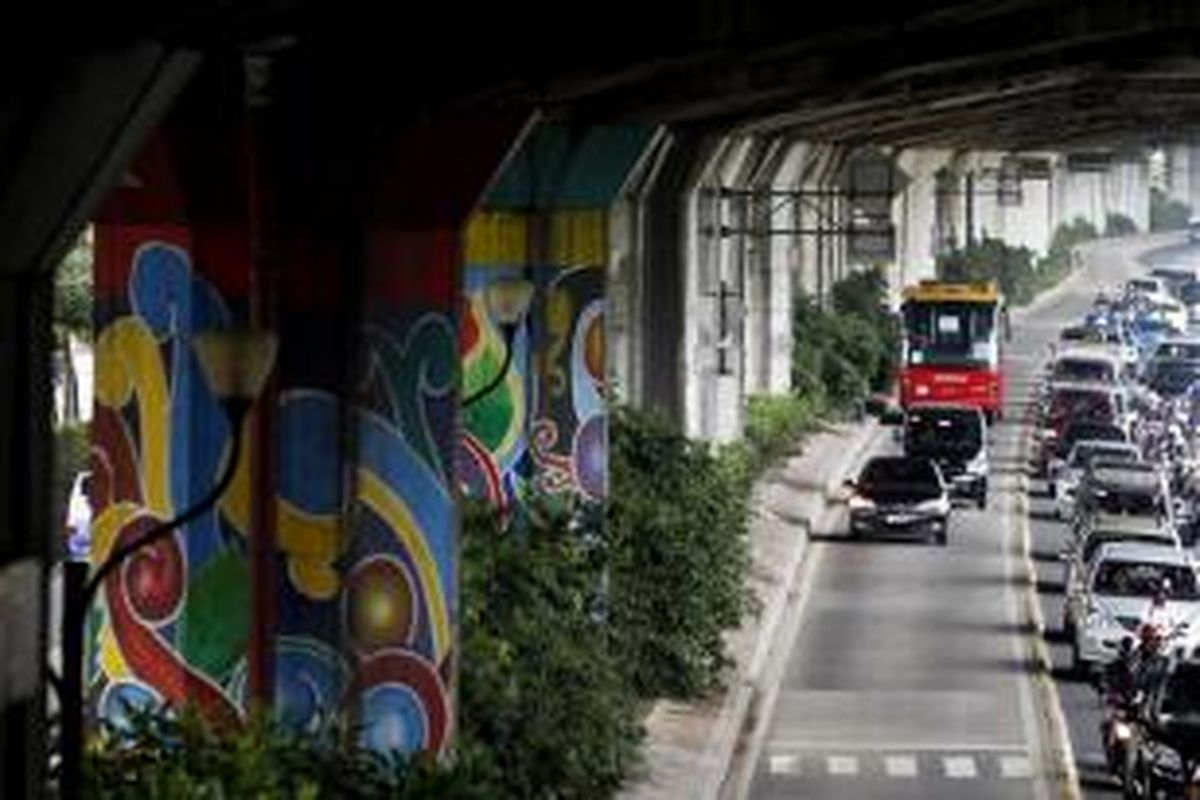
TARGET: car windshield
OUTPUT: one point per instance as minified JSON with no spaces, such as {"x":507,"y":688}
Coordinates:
{"x":1085,"y":452}
{"x":1081,"y":403}
{"x":1083,"y":369}
{"x":1081,"y":431}
{"x":950,"y":333}
{"x":900,"y":478}
{"x":1181,"y":692}
{"x":1190,"y":292}
{"x":1121,"y":578}
{"x":1187,"y":350}
{"x":1137,"y":503}
{"x":1173,"y":379}
{"x":943,"y":431}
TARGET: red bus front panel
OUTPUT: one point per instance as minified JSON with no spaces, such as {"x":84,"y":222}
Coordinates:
{"x":982,"y":388}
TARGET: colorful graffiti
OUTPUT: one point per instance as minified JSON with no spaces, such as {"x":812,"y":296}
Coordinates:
{"x":366,"y":570}
{"x":173,"y":622}
{"x":542,"y":429}
{"x":365,"y":593}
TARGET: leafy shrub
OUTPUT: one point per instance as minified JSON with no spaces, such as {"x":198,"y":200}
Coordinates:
{"x":1119,"y":225}
{"x":181,"y":757}
{"x":540,"y":687}
{"x":1014,"y":268}
{"x":992,"y":260}
{"x":839,"y":356}
{"x":678,"y":555}
{"x":1167,"y":214}
{"x":774,"y":423}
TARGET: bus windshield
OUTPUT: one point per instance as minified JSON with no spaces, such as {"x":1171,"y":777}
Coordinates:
{"x":947,"y":333}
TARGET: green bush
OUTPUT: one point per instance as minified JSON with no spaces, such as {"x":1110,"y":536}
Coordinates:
{"x":1020,"y":278}
{"x":168,"y":757}
{"x":541,"y":688}
{"x":1119,"y":225}
{"x":1167,"y":214}
{"x":839,"y":356}
{"x":678,"y":554}
{"x":774,"y":423}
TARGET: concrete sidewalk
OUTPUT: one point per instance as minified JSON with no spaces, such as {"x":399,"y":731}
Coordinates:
{"x":689,"y":747}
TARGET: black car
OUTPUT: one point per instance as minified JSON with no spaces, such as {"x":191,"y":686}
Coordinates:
{"x":904,"y":494}
{"x":1171,"y":377}
{"x":956,"y":438}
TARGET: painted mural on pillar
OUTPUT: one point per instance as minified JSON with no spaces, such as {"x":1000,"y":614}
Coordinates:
{"x":542,"y":429}
{"x":172,"y":625}
{"x":366,"y":527}
{"x":545,"y":220}
{"x":365,"y":580}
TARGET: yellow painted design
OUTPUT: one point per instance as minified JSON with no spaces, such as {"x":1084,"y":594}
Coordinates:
{"x":379,"y":497}
{"x":130,"y":367}
{"x":575,"y":238}
{"x":107,"y":525}
{"x":312,"y":544}
{"x":497,"y":237}
{"x":112,"y":663}
{"x":235,"y":503}
{"x":579,"y":238}
{"x":944,"y":292}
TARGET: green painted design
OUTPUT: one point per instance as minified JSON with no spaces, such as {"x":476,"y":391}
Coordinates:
{"x":215,"y":622}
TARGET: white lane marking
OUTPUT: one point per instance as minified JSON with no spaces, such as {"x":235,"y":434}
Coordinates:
{"x":1015,"y":767}
{"x":900,"y":766}
{"x":960,"y":767}
{"x":920,"y":747}
{"x":784,"y":765}
{"x":842,"y":765}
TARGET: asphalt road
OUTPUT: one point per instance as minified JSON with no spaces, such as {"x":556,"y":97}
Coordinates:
{"x":911,"y":672}
{"x":909,"y":677}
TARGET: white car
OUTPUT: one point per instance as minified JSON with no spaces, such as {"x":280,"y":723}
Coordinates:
{"x":1114,"y":594}
{"x":79,"y":518}
{"x":1105,"y":530}
{"x":1065,"y":475}
{"x":1088,"y":364}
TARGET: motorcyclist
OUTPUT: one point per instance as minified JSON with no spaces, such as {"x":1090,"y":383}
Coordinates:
{"x":1119,"y":693}
{"x":1120,"y":681}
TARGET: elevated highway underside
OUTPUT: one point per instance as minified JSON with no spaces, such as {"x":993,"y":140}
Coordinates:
{"x":395,"y":161}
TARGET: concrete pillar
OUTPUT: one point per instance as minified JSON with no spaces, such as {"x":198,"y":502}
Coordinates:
{"x":714,"y":335}
{"x":546,"y":220}
{"x":782,"y":270}
{"x":326,"y":578}
{"x":915,"y":216}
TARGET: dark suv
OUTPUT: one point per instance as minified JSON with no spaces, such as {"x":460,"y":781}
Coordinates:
{"x":956,"y":438}
{"x":900,"y":494}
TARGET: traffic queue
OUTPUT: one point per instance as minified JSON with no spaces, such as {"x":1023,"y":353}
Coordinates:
{"x":1114,"y":446}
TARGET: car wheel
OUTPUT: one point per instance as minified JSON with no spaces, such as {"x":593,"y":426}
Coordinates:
{"x":981,"y":500}
{"x":941,"y":535}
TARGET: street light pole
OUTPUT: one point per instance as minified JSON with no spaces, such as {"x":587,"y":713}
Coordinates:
{"x":235,"y":365}
{"x":508,"y":302}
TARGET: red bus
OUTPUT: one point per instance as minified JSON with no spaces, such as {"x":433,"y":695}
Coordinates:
{"x":951,"y":345}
